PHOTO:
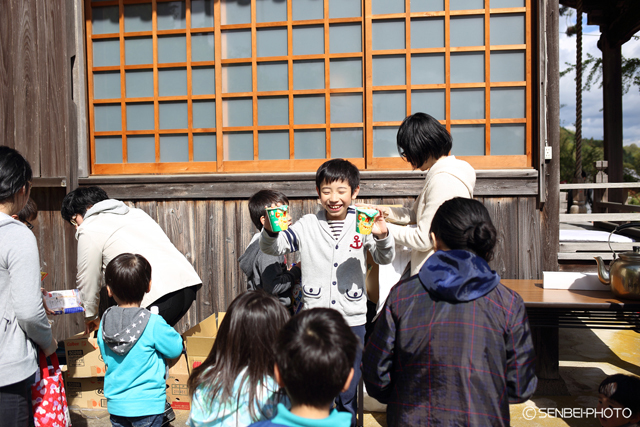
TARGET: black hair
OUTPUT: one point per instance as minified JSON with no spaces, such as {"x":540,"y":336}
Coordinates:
{"x":315,"y":352}
{"x":244,"y":340}
{"x":422,"y":137}
{"x":338,"y":170}
{"x":15,"y":173}
{"x":80,"y":199}
{"x":128,"y":276}
{"x":465,"y":224}
{"x":29,"y":212}
{"x":263,"y":198}
{"x":624,"y":389}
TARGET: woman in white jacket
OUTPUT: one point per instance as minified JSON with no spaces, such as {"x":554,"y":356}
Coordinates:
{"x":23,"y":323}
{"x":425,"y":143}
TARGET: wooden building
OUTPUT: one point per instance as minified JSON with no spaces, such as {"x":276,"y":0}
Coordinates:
{"x":186,"y":108}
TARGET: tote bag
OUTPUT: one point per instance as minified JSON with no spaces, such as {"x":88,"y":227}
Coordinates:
{"x":48,"y":396}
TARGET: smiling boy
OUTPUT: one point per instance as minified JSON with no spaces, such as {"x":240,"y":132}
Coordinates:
{"x":332,"y":254}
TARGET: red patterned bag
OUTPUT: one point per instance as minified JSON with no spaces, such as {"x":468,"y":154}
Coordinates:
{"x":48,"y":396}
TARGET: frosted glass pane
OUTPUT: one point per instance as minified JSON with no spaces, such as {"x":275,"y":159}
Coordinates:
{"x":271,"y":10}
{"x":271,"y":41}
{"x":310,"y":144}
{"x":427,"y":33}
{"x":495,"y":4}
{"x":106,"y":85}
{"x":138,"y":50}
{"x":104,"y":20}
{"x":346,"y":73}
{"x":346,"y":108}
{"x":432,"y":102}
{"x":174,"y":148}
{"x":139,"y":83}
{"x":108,"y":149}
{"x":507,"y":140}
{"x":467,"y":67}
{"x":137,"y":17}
{"x":507,"y":103}
{"x":204,"y":147}
{"x":388,"y":70}
{"x":427,"y":69}
{"x":383,"y":7}
{"x":238,"y":146}
{"x":384,"y":142}
{"x":172,"y":49}
{"x":173,"y":115}
{"x":467,"y":31}
{"x":344,"y":8}
{"x":273,"y":145}
{"x":468,"y":140}
{"x":203,"y":81}
{"x":308,"y":40}
{"x":235,"y":12}
{"x":140,"y":116}
{"x":345,"y":38}
{"x":201,"y":14}
{"x":237,"y":112}
{"x":346,"y":143}
{"x":107,"y":117}
{"x":204,"y":114}
{"x":273,"y":76}
{"x":388,"y":35}
{"x":466,"y":4}
{"x":308,"y":75}
{"x":273,"y":111}
{"x":106,"y":53}
{"x":389,"y":106}
{"x":172,"y":82}
{"x":467,"y":104}
{"x":236,"y":44}
{"x":141,"y":149}
{"x":507,"y":66}
{"x":307,"y":9}
{"x":172,"y":15}
{"x":507,"y":29}
{"x":308,"y":110}
{"x":427,"y":5}
{"x":202,"y":47}
{"x":236,"y":78}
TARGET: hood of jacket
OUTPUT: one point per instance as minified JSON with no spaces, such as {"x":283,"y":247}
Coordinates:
{"x":457,"y":276}
{"x":111,"y":206}
{"x":248,"y":258}
{"x":122,"y":327}
{"x":455,"y":167}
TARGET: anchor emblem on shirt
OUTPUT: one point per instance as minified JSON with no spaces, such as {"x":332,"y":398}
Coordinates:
{"x":357,"y":244}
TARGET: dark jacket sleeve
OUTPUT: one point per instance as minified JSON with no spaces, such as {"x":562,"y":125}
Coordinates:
{"x":377,"y":359}
{"x":274,"y":276}
{"x":521,"y":377}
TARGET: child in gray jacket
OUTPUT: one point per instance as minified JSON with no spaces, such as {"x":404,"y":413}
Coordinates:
{"x":332,"y":254}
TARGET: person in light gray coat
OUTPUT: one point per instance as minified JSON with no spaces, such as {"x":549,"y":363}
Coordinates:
{"x":23,"y":323}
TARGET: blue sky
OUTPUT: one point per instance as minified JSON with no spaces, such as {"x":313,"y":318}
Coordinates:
{"x":592,"y":126}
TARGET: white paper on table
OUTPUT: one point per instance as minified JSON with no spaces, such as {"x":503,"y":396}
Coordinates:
{"x":571,"y":280}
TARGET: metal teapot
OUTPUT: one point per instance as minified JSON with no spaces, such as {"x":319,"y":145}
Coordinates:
{"x":624,"y":272}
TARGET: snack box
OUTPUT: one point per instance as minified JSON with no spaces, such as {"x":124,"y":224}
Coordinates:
{"x":64,"y":302}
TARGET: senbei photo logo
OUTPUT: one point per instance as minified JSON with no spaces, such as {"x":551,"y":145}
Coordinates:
{"x":529,"y":413}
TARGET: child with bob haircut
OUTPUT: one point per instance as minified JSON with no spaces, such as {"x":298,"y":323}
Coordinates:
{"x":264,"y":271}
{"x":315,"y":351}
{"x":332,"y":255}
{"x":452,"y":345}
{"x":619,"y":401}
{"x":235,"y":385}
{"x":134,"y":344}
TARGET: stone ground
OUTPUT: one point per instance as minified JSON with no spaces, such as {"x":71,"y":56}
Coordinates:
{"x":586,"y":357}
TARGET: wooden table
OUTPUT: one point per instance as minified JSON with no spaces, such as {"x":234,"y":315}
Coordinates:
{"x":551,"y":309}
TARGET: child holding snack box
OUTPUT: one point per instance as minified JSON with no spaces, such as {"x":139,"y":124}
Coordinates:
{"x":332,"y":254}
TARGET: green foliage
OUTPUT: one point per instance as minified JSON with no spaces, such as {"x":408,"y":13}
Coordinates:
{"x":593,"y":68}
{"x":592,"y":151}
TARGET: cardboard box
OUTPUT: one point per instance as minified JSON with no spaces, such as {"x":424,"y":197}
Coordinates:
{"x":85,"y":392}
{"x":177,"y":388}
{"x":83,"y":357}
{"x":198,"y":341}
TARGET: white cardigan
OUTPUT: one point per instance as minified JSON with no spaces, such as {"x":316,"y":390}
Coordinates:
{"x":447,"y":178}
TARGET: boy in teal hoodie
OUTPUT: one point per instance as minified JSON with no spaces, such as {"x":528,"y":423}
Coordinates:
{"x":134,"y":344}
